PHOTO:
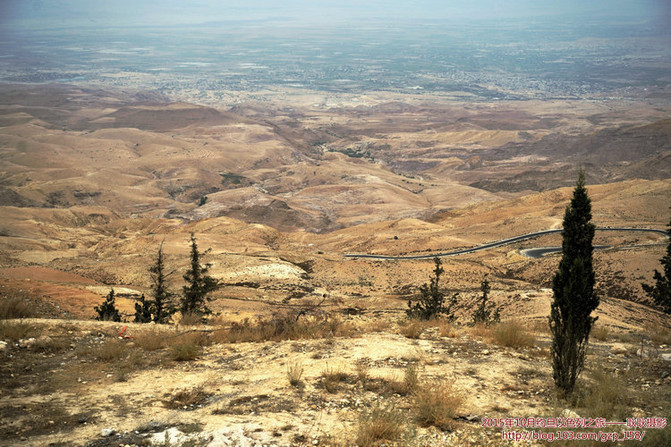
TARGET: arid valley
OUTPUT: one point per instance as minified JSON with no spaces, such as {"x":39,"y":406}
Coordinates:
{"x":283,"y":186}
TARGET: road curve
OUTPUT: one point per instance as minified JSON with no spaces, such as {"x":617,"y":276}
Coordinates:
{"x":492,"y":245}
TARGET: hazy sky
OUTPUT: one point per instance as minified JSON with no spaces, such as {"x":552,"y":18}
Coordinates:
{"x":58,"y":13}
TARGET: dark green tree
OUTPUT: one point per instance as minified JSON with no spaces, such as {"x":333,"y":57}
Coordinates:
{"x":107,"y":311}
{"x":143,"y":310}
{"x":432,"y":301}
{"x":198,"y":284}
{"x":162,"y":306}
{"x":661,"y":291}
{"x":486,"y":312}
{"x":573,"y":291}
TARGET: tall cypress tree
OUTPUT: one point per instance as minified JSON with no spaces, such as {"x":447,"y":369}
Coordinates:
{"x":573,"y":288}
{"x":162,"y":307}
{"x":198,"y":284}
{"x":661,"y":291}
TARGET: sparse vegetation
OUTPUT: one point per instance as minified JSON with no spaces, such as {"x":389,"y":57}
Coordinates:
{"x":432,"y":301}
{"x":107,"y":311}
{"x":573,"y":290}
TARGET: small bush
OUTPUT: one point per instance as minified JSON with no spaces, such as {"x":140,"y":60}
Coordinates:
{"x":15,"y":307}
{"x":511,"y":334}
{"x":380,"y":424}
{"x":295,"y":373}
{"x":437,"y":405}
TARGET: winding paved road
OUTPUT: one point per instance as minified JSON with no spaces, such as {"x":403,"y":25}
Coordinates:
{"x":498,"y":244}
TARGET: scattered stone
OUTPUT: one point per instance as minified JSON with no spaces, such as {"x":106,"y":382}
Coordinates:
{"x":27,"y":343}
{"x":618,"y":349}
{"x":666,"y":356}
{"x":4,"y":347}
{"x":665,"y":374}
{"x":106,"y":432}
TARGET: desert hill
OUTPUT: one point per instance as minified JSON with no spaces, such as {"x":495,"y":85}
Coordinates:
{"x":92,"y":183}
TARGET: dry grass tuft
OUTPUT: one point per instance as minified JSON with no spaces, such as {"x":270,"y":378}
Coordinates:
{"x":380,"y":424}
{"x":191,"y":319}
{"x":332,"y":378}
{"x":658,"y":334}
{"x":413,"y":328}
{"x":187,"y":399}
{"x":295,"y":373}
{"x":437,"y":405}
{"x":184,"y":351}
{"x":408,"y":385}
{"x":513,"y":335}
{"x":605,"y":395}
{"x":15,"y":307}
{"x":151,"y":341}
{"x":600,"y":332}
{"x":445,"y":329}
{"x":17,"y":330}
{"x":111,"y":350}
{"x":281,"y":327}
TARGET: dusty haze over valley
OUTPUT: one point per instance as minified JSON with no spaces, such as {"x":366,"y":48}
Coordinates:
{"x":286,"y":139}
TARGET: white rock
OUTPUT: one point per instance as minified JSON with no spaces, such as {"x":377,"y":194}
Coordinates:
{"x":105,"y":432}
{"x":4,"y":347}
{"x":666,"y":356}
{"x":27,"y":343}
